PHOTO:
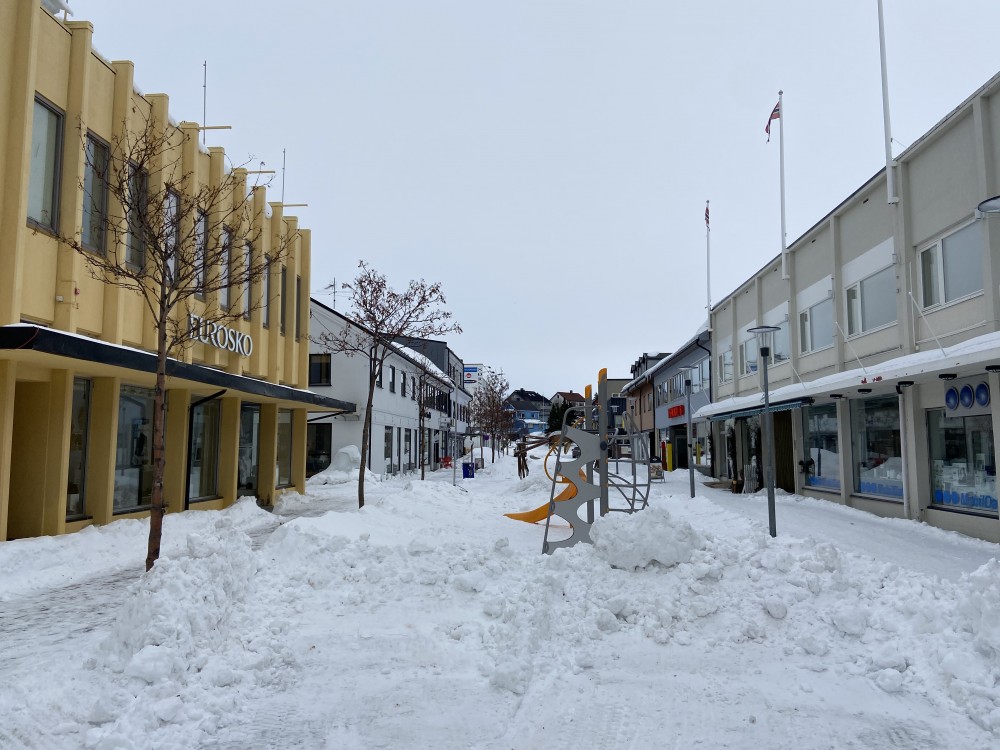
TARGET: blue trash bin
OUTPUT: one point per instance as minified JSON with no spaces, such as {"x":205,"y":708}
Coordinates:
{"x":468,"y":471}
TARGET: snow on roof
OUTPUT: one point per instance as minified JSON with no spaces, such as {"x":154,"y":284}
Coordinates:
{"x":425,"y":363}
{"x":921,"y":367}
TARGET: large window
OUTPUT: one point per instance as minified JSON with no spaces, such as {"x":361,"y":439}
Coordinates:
{"x":319,"y":369}
{"x":319,"y":438}
{"x":136,"y":196}
{"x":952,"y":267}
{"x":878,"y":462}
{"x":133,"y":456}
{"x":284,"y":447}
{"x":781,"y":347}
{"x":203,"y":481}
{"x":871,"y":303}
{"x":821,"y":465}
{"x":76,"y":480}
{"x":95,"y":195}
{"x":225,"y":275}
{"x":748,"y":357}
{"x":200,"y":245}
{"x":963,"y":462}
{"x":43,"y":182}
{"x":816,"y":327}
{"x":726,"y":366}
{"x":171,"y":231}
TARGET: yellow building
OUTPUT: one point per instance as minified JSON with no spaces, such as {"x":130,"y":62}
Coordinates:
{"x":77,"y":357}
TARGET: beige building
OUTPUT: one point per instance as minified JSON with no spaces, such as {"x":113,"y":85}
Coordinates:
{"x":76,"y":361}
{"x":888,"y":344}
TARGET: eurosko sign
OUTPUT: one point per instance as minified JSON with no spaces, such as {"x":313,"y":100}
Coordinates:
{"x":220,"y":336}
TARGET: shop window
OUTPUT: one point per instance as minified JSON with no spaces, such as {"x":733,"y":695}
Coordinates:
{"x":407,"y":458}
{"x":319,"y":369}
{"x":225,"y":271}
{"x":203,"y":481}
{"x":76,"y":481}
{"x":962,"y":462}
{"x":249,"y":449}
{"x":93,"y":230}
{"x":387,"y":452}
{"x":816,"y":326}
{"x":871,"y":303}
{"x":200,"y":241}
{"x":284,"y":447}
{"x":319,"y":438}
{"x":952,"y":267}
{"x":133,"y":456}
{"x":878,"y":462}
{"x":821,"y":464}
{"x":136,"y":196}
{"x":43,"y":181}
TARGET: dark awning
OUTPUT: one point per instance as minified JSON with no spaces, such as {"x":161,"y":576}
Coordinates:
{"x":749,"y":412}
{"x":61,"y":344}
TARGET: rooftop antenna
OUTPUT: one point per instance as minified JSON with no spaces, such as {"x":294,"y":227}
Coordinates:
{"x":204,"y":98}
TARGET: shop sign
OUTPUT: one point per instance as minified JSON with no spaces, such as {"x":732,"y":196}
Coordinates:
{"x":967,"y":398}
{"x":471,"y":375}
{"x":220,"y":336}
{"x":675,"y":411}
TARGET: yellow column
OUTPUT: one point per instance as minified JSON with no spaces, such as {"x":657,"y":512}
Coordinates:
{"x":266,"y":477}
{"x":289,"y":301}
{"x":229,"y":449}
{"x":57,"y":452}
{"x":18,"y":94}
{"x":175,"y":480}
{"x":299,"y":417}
{"x":258,"y":364}
{"x":101,"y":448}
{"x":275,"y":360}
{"x":216,"y":177}
{"x":159,"y":105}
{"x":305,"y":271}
{"x":8,"y":373}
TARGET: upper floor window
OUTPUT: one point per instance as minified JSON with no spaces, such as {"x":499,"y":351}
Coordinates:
{"x":748,"y":357}
{"x":726,"y":366}
{"x":706,"y":371}
{"x":402,"y":386}
{"x":46,"y":148}
{"x":952,"y":267}
{"x":225,"y":260}
{"x":247,"y":265}
{"x":378,"y":376}
{"x":816,"y":326}
{"x":392,"y":378}
{"x":200,"y":242}
{"x":413,"y":388}
{"x":871,"y":303}
{"x":93,"y":230}
{"x":319,"y":369}
{"x":136,"y":196}
{"x":171,"y":231}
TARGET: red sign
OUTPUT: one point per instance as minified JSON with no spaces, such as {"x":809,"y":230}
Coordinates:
{"x":675,"y":411}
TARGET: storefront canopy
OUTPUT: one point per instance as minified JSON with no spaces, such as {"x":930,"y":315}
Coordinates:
{"x":38,"y":340}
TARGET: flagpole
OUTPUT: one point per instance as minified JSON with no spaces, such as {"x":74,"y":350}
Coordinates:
{"x":890,"y":181}
{"x":708,"y":267}
{"x":781,"y":161}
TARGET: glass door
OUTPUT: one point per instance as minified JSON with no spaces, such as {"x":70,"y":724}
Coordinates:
{"x":249,"y":449}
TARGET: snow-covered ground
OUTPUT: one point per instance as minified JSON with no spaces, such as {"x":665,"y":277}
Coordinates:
{"x":428,"y":620}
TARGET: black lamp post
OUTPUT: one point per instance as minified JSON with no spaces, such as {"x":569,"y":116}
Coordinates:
{"x":765,"y":335}
{"x":687,"y":410}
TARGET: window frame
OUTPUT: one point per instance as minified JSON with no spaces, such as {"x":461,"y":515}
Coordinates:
{"x":857,"y":325}
{"x":200,"y":253}
{"x":60,"y":126}
{"x":282,"y":302}
{"x":806,"y":333}
{"x":267,"y":292}
{"x":135,"y":244}
{"x":247,"y":265}
{"x":225,"y":269}
{"x":323,"y":361}
{"x":98,"y":213}
{"x":937,"y":248}
{"x":392,"y":378}
{"x":172,"y":241}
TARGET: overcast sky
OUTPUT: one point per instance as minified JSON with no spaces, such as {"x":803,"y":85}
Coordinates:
{"x":548,"y":161}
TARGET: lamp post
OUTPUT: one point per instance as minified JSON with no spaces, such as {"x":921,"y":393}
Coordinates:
{"x":687,"y":410}
{"x":765,"y":334}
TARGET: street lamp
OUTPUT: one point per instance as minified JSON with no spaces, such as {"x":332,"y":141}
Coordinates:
{"x":687,"y":410}
{"x":990,"y":205}
{"x":765,"y":334}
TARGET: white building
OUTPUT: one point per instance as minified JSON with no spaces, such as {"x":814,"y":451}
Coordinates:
{"x":395,"y":438}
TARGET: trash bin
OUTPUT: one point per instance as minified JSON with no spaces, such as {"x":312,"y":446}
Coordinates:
{"x":468,"y":471}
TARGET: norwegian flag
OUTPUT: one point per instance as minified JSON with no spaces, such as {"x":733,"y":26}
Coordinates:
{"x":706,"y":213}
{"x":775,"y":114}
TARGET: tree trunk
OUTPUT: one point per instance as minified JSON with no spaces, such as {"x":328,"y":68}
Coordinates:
{"x":366,"y":438}
{"x":157,"y":508}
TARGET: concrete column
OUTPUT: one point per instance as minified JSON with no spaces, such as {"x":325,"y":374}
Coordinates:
{"x":15,"y":152}
{"x":266,"y":477}
{"x":257,"y":364}
{"x":177,"y":441}
{"x":101,"y":448}
{"x":8,"y":373}
{"x":229,"y":449}
{"x":275,"y":360}
{"x":289,"y":301}
{"x":57,"y":451}
{"x":160,"y":104}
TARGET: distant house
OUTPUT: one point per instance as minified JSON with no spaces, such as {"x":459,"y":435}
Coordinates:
{"x":531,"y":411}
{"x":567,"y":397}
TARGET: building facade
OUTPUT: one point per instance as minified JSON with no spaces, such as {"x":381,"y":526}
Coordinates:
{"x":886,"y":358}
{"x":398,"y":436}
{"x":674,"y":406}
{"x":76,"y":354}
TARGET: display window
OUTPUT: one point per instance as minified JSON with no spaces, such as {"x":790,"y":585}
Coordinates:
{"x":76,"y":480}
{"x":133,"y":455}
{"x":878,"y":460}
{"x":962,"y":461}
{"x":203,"y":479}
{"x":284,"y":466}
{"x":821,"y":464}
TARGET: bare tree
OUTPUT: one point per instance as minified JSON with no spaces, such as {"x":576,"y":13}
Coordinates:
{"x":188,"y":248}
{"x":382,"y":315}
{"x":487,"y":408}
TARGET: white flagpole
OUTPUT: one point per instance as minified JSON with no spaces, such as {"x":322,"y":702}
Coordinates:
{"x":890,"y":181}
{"x":781,"y":148}
{"x":708,"y":266}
